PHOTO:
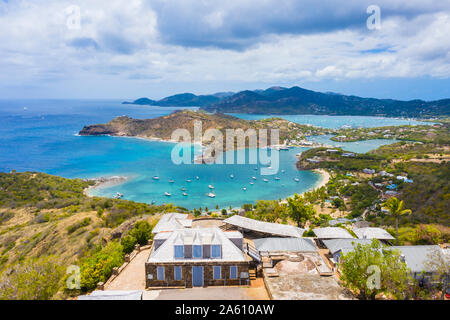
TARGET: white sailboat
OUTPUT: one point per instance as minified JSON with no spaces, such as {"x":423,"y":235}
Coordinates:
{"x":167,"y":194}
{"x":296,"y":179}
{"x":232,"y":176}
{"x":171,"y":181}
{"x":254,"y":178}
{"x":211,"y":195}
{"x":185,"y":194}
{"x":244,"y":188}
{"x":188,"y":180}
{"x":211,"y":186}
{"x":155,"y":178}
{"x":265,"y":180}
{"x":251,"y":183}
{"x":276,"y":178}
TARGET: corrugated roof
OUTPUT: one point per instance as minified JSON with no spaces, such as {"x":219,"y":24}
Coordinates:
{"x":165,"y":253}
{"x":172,"y":221}
{"x":332,"y":233}
{"x":285,"y":244}
{"x":113,"y":295}
{"x":372,"y":233}
{"x":344,"y":245}
{"x":417,"y":256}
{"x":265,"y":227}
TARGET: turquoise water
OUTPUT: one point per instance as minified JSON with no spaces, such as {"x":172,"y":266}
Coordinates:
{"x":358,"y":146}
{"x":40,"y":135}
{"x":335,"y":122}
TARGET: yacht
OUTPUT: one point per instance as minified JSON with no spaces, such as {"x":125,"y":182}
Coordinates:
{"x":188,"y":180}
{"x":297,"y":179}
{"x":153,"y":201}
{"x":183,"y":189}
{"x":231,"y":176}
{"x":265,"y":180}
{"x":251,"y":183}
{"x":244,"y":188}
{"x":197,"y":177}
{"x":276,"y":178}
{"x":211,"y":186}
{"x":211,"y":195}
{"x":155,"y":178}
{"x":118,"y":195}
{"x":171,"y":181}
{"x":254,"y":178}
{"x":282,"y":171}
{"x":185,"y":194}
{"x":167,"y":194}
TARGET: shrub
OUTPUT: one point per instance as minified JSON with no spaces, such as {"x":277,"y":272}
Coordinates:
{"x":80,"y":224}
{"x":98,"y":268}
{"x":142,"y":231}
{"x":31,"y":279}
{"x":128,"y":243}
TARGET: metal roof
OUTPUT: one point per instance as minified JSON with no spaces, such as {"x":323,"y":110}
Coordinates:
{"x":344,"y":245}
{"x":165,"y":253}
{"x":285,"y":244}
{"x":332,"y":233}
{"x":417,"y":256}
{"x":113,"y":295}
{"x":265,"y":227}
{"x":372,"y":233}
{"x":172,"y":221}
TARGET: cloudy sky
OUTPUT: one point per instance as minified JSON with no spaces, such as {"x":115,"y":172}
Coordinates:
{"x":133,"y":48}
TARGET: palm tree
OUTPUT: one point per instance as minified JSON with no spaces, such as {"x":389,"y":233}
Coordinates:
{"x":396,"y":209}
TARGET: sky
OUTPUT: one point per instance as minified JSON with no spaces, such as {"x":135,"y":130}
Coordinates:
{"x":126,"y":49}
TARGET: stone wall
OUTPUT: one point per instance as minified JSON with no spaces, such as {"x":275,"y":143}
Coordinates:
{"x":150,"y":269}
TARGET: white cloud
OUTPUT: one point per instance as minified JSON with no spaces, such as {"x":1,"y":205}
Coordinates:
{"x":125,"y":41}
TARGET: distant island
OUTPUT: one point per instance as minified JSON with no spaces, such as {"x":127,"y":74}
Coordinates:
{"x":296,"y":100}
{"x":161,"y":128}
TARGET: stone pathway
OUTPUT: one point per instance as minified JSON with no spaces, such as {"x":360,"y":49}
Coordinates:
{"x":133,"y":276}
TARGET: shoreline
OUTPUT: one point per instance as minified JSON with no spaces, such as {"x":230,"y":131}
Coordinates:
{"x":104,"y":182}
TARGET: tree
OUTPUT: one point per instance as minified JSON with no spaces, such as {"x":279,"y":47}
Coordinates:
{"x":128,"y":243}
{"x":438,"y":263}
{"x":299,"y":210}
{"x":371,"y":269}
{"x":142,"y":231}
{"x":31,"y":279}
{"x":396,"y":209}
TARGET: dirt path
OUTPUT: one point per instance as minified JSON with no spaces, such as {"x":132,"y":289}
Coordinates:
{"x":133,"y":276}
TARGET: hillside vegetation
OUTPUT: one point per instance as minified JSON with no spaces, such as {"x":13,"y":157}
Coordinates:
{"x":47,"y":216}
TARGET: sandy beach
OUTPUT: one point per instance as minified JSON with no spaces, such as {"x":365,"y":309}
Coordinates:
{"x":325,"y":177}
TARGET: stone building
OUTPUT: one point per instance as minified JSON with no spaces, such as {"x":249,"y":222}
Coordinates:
{"x":197,"y":257}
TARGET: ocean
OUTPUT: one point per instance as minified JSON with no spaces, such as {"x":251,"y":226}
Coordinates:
{"x":41,"y":135}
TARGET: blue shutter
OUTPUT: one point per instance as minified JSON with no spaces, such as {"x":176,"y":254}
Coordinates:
{"x":217,"y":272}
{"x":160,"y":273}
{"x":177,"y":273}
{"x":233,"y":272}
{"x":216,"y":251}
{"x":179,"y":251}
{"x":197,"y":251}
